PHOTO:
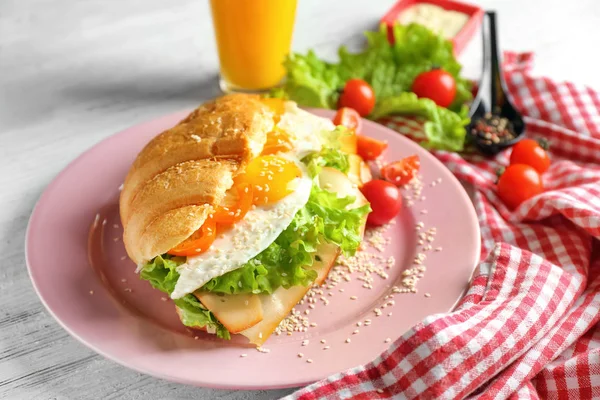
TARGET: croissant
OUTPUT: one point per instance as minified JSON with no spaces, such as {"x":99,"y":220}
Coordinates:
{"x":178,"y":178}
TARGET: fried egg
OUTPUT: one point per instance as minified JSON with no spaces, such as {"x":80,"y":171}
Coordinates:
{"x":284,"y":186}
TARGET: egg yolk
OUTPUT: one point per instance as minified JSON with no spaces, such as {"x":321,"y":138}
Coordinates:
{"x":271,"y":177}
{"x":277,"y":141}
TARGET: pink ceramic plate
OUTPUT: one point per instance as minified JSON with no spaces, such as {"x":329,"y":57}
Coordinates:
{"x":77,"y":263}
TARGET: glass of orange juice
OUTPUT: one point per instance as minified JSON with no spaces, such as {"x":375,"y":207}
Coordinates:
{"x":253,"y":39}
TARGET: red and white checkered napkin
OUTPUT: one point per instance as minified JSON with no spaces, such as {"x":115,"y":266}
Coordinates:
{"x":528,"y":328}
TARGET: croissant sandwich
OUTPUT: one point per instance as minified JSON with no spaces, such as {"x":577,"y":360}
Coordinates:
{"x":242,"y":206}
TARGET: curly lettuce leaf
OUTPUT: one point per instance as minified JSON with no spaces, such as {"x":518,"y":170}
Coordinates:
{"x":310,"y":81}
{"x":444,"y":129}
{"x":327,"y":158}
{"x":390,"y":70}
{"x":285,"y":263}
{"x":162,"y":274}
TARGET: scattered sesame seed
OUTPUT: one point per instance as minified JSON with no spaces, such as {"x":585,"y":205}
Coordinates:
{"x":355,"y":332}
{"x":359,"y":323}
{"x":353,"y":297}
{"x":163,"y":298}
{"x":379,"y":390}
{"x":427,"y":295}
{"x":195,"y":337}
{"x":262,"y":350}
{"x":123,"y":258}
{"x":300,"y":355}
{"x":115,"y":239}
{"x":305,"y":342}
{"x":309,"y":361}
{"x":326,"y":347}
{"x":387,"y":340}
{"x":323,"y":341}
{"x":389,"y":314}
{"x":313,"y":324}
{"x":438,"y":249}
{"x":128,"y":290}
{"x":123,"y":280}
{"x":91,"y":292}
{"x":243,"y":355}
{"x":348,"y":340}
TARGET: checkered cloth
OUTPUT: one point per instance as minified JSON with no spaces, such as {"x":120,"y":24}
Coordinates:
{"x":528,"y":328}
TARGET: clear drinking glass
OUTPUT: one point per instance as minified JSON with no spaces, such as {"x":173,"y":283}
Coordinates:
{"x":253,"y":37}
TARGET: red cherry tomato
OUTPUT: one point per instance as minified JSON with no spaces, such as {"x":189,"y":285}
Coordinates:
{"x":235,"y":212}
{"x":385,"y":199}
{"x":528,"y":151}
{"x":437,"y":85}
{"x":199,"y":242}
{"x":518,"y":183}
{"x":401,"y":172}
{"x":349,"y":118}
{"x":369,"y":148}
{"x":359,"y":95}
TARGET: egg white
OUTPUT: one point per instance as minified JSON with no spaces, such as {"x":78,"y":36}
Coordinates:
{"x":263,"y":224}
{"x":304,"y":129}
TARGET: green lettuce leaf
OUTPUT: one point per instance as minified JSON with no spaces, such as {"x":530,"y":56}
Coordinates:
{"x":326,"y":158}
{"x":310,"y":81}
{"x":444,"y":128}
{"x":162,"y":274}
{"x":390,"y":70}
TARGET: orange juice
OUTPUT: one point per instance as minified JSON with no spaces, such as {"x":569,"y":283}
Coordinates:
{"x":253,"y":38}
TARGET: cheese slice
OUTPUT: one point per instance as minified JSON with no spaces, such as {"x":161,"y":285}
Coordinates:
{"x":277,"y":306}
{"x":359,"y":172}
{"x":235,"y":312}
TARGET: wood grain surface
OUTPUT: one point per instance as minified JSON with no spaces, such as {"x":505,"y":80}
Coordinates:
{"x":75,"y":72}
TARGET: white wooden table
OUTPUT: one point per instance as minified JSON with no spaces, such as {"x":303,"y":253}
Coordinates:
{"x":75,"y":72}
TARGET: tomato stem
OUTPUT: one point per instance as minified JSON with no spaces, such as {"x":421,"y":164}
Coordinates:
{"x":544,"y":143}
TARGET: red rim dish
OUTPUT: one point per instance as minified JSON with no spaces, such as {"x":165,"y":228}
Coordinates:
{"x":461,"y":39}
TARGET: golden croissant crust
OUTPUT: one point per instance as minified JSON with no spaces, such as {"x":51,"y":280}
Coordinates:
{"x":183,"y":173}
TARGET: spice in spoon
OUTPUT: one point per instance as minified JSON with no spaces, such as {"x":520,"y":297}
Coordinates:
{"x":493,"y":129}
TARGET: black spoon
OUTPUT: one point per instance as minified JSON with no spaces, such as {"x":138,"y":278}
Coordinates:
{"x":499,"y":125}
